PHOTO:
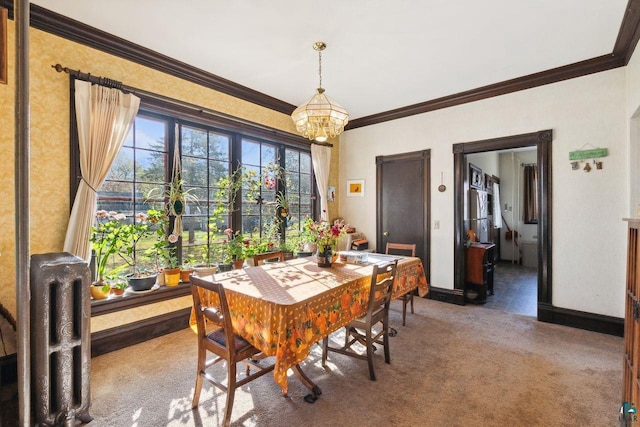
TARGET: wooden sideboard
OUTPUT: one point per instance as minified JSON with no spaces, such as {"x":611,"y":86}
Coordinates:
{"x":479,"y":260}
{"x":631,"y":362}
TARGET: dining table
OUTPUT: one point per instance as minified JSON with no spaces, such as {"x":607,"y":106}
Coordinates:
{"x":284,"y":308}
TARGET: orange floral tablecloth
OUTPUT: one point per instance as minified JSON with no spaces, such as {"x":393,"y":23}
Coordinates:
{"x":284,"y":308}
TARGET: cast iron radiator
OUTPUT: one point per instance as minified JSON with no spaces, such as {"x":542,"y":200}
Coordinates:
{"x":60,"y":339}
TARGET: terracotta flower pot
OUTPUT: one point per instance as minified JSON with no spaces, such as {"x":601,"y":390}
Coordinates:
{"x":117,"y":291}
{"x":184,"y":275}
{"x":238,"y":264}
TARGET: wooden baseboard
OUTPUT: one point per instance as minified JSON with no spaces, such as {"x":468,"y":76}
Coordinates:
{"x":134,"y":333}
{"x":581,"y":320}
{"x":452,"y":296}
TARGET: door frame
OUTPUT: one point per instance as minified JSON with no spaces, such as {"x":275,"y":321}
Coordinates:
{"x":425,"y":156}
{"x":542,"y":141}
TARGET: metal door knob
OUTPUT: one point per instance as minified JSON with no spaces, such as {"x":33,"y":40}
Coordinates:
{"x":385,"y":234}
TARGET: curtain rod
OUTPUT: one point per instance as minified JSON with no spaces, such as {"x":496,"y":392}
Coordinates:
{"x":103,"y":81}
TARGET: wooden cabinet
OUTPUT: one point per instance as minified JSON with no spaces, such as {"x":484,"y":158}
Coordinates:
{"x":630,"y":380}
{"x":479,"y":261}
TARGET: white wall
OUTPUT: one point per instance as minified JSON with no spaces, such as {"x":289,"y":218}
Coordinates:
{"x":589,"y":236}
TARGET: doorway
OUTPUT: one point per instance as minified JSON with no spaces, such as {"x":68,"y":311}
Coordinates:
{"x":542,"y":142}
{"x":515,"y":286}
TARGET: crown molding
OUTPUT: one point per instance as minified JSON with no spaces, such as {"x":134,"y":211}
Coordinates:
{"x":59,"y":25}
{"x":578,"y":69}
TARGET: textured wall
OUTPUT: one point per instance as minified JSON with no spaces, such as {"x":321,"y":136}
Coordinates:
{"x":49,"y":168}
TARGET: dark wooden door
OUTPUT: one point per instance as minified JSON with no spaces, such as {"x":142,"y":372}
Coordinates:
{"x":403,"y":199}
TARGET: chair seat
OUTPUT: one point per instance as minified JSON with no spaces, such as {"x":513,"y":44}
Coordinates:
{"x":219,"y":336}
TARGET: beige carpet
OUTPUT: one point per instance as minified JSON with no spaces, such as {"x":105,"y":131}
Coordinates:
{"x":450,"y":366}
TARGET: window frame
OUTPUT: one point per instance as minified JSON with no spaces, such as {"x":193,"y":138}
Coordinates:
{"x":186,"y":115}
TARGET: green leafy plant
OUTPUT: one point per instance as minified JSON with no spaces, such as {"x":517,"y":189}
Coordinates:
{"x":114,"y":235}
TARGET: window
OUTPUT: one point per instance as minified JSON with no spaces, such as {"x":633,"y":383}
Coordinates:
{"x":211,"y":157}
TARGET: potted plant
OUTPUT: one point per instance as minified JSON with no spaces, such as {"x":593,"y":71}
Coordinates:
{"x":186,"y":269}
{"x":282,"y":206}
{"x":113,"y":235}
{"x":235,"y":247}
{"x":170,"y":267}
{"x":117,"y":285}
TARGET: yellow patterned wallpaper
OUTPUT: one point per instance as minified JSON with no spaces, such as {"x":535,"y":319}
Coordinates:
{"x":49,"y":146}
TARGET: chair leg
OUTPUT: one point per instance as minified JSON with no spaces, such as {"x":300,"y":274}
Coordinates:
{"x":231,"y":391}
{"x":199,"y":377}
{"x":404,"y":310}
{"x":370,"y":354}
{"x":325,"y":350}
{"x":385,"y":341}
{"x":412,"y":312}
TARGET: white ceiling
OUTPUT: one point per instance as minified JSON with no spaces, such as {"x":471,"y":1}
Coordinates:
{"x":380,"y":55}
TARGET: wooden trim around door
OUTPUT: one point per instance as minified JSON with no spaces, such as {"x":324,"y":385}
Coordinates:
{"x":542,"y":141}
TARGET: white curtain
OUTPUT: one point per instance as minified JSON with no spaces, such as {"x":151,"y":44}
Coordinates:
{"x":321,"y":158}
{"x":104,"y":117}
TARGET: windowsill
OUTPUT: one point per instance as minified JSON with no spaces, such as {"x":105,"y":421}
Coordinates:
{"x":112,"y":305}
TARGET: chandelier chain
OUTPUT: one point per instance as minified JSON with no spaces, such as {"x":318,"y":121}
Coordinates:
{"x":320,"y":66}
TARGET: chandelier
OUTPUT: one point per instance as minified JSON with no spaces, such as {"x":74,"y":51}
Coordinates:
{"x":320,"y":117}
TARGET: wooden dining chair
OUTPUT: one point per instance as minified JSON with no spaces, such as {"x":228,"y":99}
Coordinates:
{"x":403,"y":249}
{"x":361,"y":330}
{"x":261,"y":258}
{"x":217,"y":342}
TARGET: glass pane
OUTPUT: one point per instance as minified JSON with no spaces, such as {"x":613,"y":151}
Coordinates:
{"x":305,"y":184}
{"x":268,"y":154}
{"x":291,"y":161}
{"x":250,"y":153}
{"x":305,"y":162}
{"x":122,"y":167}
{"x":150,"y":134}
{"x":293,"y":184}
{"x":218,"y":146}
{"x":218,"y":170}
{"x":250,"y":224}
{"x":115,"y":196}
{"x":194,"y":142}
{"x":153,"y":194}
{"x":194,"y":171}
{"x":150,"y":166}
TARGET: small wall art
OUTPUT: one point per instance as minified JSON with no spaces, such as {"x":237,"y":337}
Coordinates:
{"x":331,"y":193}
{"x":355,"y":187}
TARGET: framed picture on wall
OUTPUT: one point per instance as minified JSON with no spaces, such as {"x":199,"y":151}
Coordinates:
{"x":476,"y":178}
{"x":355,"y":187}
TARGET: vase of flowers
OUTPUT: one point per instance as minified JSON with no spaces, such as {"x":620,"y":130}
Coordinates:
{"x":325,"y":235}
